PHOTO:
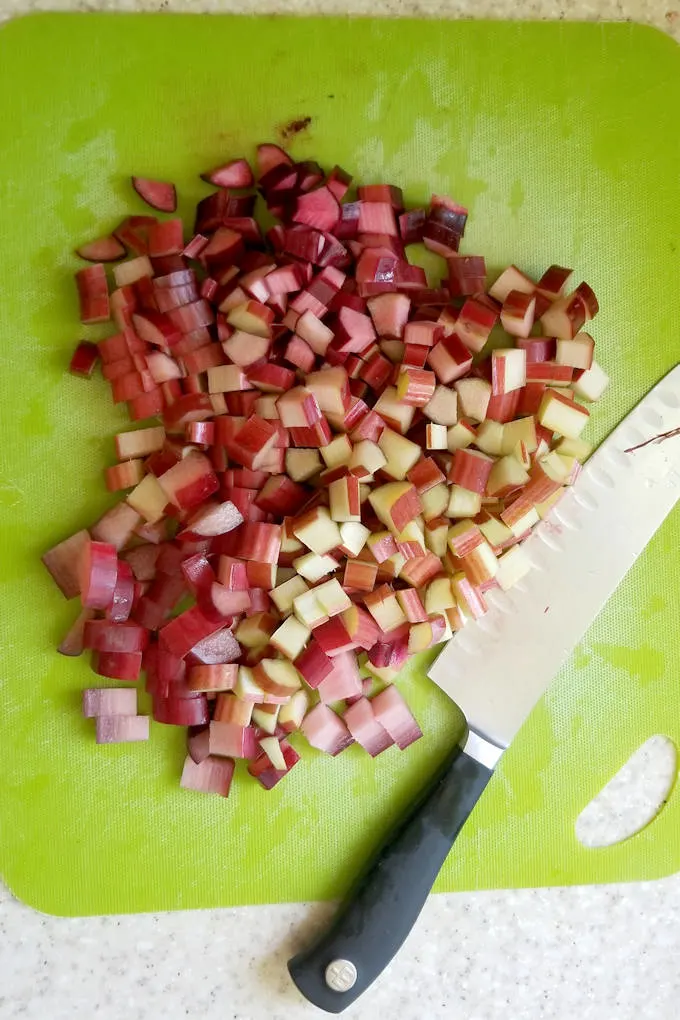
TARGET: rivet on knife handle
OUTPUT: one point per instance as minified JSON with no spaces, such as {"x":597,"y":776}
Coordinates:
{"x":371,"y":925}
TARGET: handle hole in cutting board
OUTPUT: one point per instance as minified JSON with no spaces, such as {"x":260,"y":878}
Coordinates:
{"x":633,"y":798}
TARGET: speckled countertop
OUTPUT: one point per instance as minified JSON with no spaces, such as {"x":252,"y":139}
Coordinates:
{"x":665,"y":14}
{"x":607,"y":953}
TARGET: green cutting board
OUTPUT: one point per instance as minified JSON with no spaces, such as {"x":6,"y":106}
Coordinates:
{"x":563,"y":141}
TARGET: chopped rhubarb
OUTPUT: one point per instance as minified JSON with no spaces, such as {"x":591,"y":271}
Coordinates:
{"x":335,"y":469}
{"x":158,"y":194}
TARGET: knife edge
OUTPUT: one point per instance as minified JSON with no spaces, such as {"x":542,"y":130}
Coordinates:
{"x":579,"y":555}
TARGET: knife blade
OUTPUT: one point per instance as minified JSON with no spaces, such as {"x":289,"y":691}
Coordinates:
{"x":579,"y":555}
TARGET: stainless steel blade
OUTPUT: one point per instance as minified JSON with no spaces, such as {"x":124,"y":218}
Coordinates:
{"x":497,"y":667}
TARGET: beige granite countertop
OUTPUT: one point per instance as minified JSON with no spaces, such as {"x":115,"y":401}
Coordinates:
{"x":595,"y":953}
{"x":664,"y":14}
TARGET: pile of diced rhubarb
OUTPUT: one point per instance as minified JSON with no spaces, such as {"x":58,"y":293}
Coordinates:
{"x":337,"y":472}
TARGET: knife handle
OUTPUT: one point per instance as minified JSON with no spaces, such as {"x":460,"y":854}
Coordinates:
{"x":380,"y":911}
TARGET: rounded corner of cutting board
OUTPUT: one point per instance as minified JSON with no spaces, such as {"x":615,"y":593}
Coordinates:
{"x":656,"y":35}
{"x":45,"y":899}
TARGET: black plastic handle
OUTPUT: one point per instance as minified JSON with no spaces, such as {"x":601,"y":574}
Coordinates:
{"x":380,"y":911}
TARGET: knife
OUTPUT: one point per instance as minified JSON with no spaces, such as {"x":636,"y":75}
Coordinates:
{"x":579,"y":555}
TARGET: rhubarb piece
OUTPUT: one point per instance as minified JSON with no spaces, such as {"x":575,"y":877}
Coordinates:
{"x":211,"y":775}
{"x":93,"y":294}
{"x":326,"y":731}
{"x":366,"y":729}
{"x":234,"y":174}
{"x":392,"y":712}
{"x":63,"y":562}
{"x":109,"y":701}
{"x":122,"y":729}
{"x":158,"y":194}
